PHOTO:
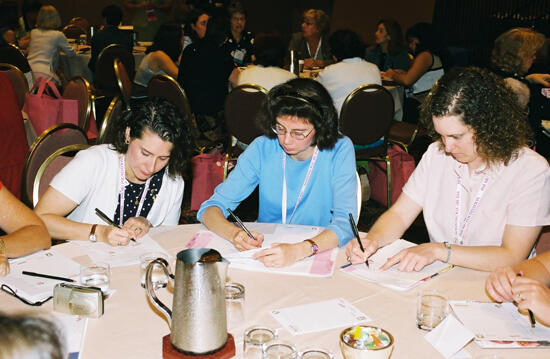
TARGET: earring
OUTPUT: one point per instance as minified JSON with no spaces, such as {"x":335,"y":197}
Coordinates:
{"x":127,"y":141}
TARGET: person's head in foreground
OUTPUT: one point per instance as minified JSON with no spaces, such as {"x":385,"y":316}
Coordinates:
{"x":476,"y":117}
{"x":153,"y":135}
{"x":516,"y":49}
{"x":27,"y":337}
{"x":300,"y":113}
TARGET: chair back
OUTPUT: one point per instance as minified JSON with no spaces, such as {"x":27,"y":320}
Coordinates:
{"x":48,"y":142}
{"x":51,"y":166}
{"x":18,"y":80}
{"x":73,"y":31}
{"x":113,"y":114}
{"x":105,"y":79}
{"x":81,"y":22}
{"x":123,"y":81}
{"x":78,"y":88}
{"x":242,"y":105}
{"x":367,"y":114}
{"x":10,"y":54}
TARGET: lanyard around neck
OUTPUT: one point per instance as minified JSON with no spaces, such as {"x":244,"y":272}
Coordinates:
{"x":302,"y":190}
{"x":123,"y":190}
{"x":314,"y":57}
{"x":459,"y":233}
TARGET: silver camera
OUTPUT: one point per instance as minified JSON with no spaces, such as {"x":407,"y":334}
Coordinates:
{"x":77,"y":300}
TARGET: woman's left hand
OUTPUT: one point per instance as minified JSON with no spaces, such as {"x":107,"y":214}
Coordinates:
{"x":414,"y":258}
{"x":280,"y":254}
{"x":137,"y":226}
{"x":4,"y":265}
{"x":533,"y":295}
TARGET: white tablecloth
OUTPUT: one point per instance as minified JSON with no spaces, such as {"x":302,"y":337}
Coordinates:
{"x":131,"y":328}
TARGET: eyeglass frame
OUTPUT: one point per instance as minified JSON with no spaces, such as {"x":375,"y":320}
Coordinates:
{"x":293,"y":133}
{"x":7,"y":289}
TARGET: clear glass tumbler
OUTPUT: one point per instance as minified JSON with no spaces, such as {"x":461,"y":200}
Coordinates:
{"x":255,"y":339}
{"x":234,"y":305}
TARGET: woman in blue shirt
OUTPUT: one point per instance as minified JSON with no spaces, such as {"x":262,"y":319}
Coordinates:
{"x":305,"y":170}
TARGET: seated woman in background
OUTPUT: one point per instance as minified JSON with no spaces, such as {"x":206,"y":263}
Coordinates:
{"x":268,"y":62}
{"x":305,"y":170}
{"x":311,"y":44}
{"x":46,"y":42}
{"x":526,"y":284}
{"x":483,"y":193}
{"x":137,"y":180}
{"x":195,"y":27}
{"x":431,"y":60}
{"x":162,"y":57}
{"x":26,"y":233}
{"x":389,"y":50}
{"x":30,"y":337}
{"x":239,"y":43}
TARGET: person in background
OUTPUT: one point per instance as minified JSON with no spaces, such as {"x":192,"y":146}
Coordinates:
{"x":389,"y":50}
{"x":267,"y":70}
{"x":311,"y":44}
{"x":350,"y":71}
{"x":109,"y":34}
{"x":195,"y":27}
{"x":147,"y":16}
{"x":161,"y":58}
{"x":26,"y":233}
{"x":526,"y":284}
{"x":305,"y":170}
{"x":239,"y":43}
{"x":46,"y":43}
{"x":482,"y":191}
{"x":30,"y":337}
{"x":137,"y":181}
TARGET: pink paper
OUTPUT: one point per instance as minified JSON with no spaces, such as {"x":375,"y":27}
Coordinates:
{"x":322,"y":264}
{"x":200,"y":240}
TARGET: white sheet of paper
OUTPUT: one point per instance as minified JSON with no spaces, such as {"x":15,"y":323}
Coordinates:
{"x":449,"y":336}
{"x":74,"y":331}
{"x":393,"y":278}
{"x":320,"y":265}
{"x":498,"y":321}
{"x":45,"y":262}
{"x":122,"y":255}
{"x":319,"y":316}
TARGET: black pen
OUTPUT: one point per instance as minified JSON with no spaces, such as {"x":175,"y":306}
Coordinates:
{"x":104,"y":217}
{"x":240,"y":223}
{"x":530,"y":312}
{"x":33,"y":274}
{"x":356,"y":234}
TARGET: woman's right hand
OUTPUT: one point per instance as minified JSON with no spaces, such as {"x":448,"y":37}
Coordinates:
{"x":4,"y":265}
{"x":354,"y":253}
{"x":114,"y":236}
{"x":499,"y":284}
{"x":243,"y":242}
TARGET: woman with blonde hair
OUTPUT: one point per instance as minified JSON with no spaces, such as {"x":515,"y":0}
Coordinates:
{"x":46,"y":42}
{"x":310,"y":44}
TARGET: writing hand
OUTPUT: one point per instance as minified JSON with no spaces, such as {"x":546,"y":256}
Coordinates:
{"x":243,"y":242}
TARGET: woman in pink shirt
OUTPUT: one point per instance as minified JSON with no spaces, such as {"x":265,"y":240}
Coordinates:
{"x":484,"y":194}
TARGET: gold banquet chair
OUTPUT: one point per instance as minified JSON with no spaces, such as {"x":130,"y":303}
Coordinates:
{"x":366,"y":116}
{"x":78,"y":88}
{"x":123,"y":81}
{"x":113,"y":114}
{"x":18,"y":80}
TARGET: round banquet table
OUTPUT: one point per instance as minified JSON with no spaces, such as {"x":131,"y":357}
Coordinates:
{"x":132,"y":328}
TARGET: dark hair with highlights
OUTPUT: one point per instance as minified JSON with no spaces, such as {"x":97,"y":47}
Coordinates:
{"x":484,"y":103}
{"x":303,"y":98}
{"x":163,"y":119}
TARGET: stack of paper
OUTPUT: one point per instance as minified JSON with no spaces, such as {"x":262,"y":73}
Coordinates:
{"x":393,"y":278}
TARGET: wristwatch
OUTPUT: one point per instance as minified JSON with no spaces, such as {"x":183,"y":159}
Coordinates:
{"x":314,"y":247}
{"x":92,"y":237}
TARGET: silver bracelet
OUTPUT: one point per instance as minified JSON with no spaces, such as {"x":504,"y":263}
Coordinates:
{"x":448,"y":246}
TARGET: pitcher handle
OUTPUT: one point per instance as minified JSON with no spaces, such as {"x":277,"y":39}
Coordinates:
{"x":150,"y":288}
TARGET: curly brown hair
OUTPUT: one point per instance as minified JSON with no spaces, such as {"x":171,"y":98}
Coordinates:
{"x":485,"y":104}
{"x":319,"y":18}
{"x":514,"y":47}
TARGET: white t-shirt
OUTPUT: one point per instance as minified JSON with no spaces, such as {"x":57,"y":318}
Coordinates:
{"x":267,"y":77}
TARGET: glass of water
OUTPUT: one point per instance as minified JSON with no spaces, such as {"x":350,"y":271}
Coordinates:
{"x":255,"y":339}
{"x":431,"y":309}
{"x":316,"y":353}
{"x":97,"y":275}
{"x":158,"y":277}
{"x":280,"y":350}
{"x":234,"y":305}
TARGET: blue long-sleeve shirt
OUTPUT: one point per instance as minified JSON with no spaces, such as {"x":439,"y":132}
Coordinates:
{"x":330,"y":195}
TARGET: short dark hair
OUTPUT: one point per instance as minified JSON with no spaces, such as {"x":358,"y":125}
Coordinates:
{"x":236,"y":8}
{"x":112,"y":15}
{"x":168,"y":40}
{"x":304,"y":98}
{"x":269,"y":49}
{"x":166,"y":121}
{"x":346,"y":44}
{"x":484,"y":103}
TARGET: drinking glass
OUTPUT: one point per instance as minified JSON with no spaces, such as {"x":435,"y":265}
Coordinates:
{"x":280,"y":350}
{"x":234,"y":305}
{"x":97,"y":275}
{"x":316,"y":353}
{"x":158,"y":277}
{"x":255,"y":339}
{"x":431,"y":309}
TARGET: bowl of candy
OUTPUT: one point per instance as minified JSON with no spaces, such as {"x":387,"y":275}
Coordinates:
{"x":366,"y":342}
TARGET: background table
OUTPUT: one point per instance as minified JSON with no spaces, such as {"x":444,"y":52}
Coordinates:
{"x":132,"y":328}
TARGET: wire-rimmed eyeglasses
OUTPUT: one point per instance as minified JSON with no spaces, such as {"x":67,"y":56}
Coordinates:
{"x":296,"y":134}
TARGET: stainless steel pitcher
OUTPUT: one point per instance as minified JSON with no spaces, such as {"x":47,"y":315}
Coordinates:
{"x":198,"y":323}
